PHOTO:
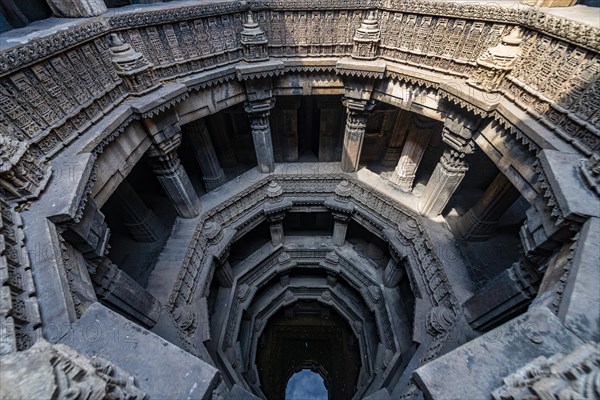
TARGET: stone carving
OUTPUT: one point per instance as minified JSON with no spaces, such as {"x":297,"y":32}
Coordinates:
{"x":555,"y":80}
{"x":57,"y":371}
{"x":497,"y":62}
{"x":274,"y":192}
{"x":451,"y":169}
{"x":447,"y":32}
{"x":366,"y":38}
{"x":22,"y":176}
{"x":590,"y":169}
{"x":343,"y":191}
{"x":77,"y":8}
{"x":254,"y":40}
{"x":439,"y":320}
{"x":131,"y":66}
{"x":19,"y":316}
{"x":213,"y":232}
{"x":186,"y":319}
{"x":572,"y":376}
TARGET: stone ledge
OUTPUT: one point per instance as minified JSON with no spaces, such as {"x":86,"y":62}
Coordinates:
{"x":143,"y":354}
{"x":475,"y":369}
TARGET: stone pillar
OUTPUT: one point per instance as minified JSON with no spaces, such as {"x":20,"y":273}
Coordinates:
{"x":357,"y":114}
{"x":394,"y":271}
{"x":173,"y":178}
{"x":448,"y":174}
{"x":141,"y":222}
{"x":341,"y":210}
{"x":261,"y":136}
{"x":223,"y":271}
{"x":480,"y":221}
{"x":452,"y":167}
{"x":340,"y":226}
{"x":276,"y":227}
{"x":393,"y":149}
{"x":120,"y":290}
{"x":77,"y":8}
{"x":419,"y":133}
{"x":330,"y":119}
{"x":259,"y":91}
{"x":212,"y":173}
{"x":275,"y":211}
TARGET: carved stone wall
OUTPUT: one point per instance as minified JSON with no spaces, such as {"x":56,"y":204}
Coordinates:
{"x":555,"y":77}
{"x":20,"y":321}
{"x":62,"y":91}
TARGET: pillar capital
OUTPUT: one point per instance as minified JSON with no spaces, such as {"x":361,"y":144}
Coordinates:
{"x":358,"y":105}
{"x":453,"y":161}
{"x":458,"y":134}
{"x":164,"y":159}
{"x":164,"y":130}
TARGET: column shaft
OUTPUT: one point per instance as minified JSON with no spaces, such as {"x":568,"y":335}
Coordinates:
{"x":340,"y":227}
{"x":393,"y":273}
{"x":356,"y":123}
{"x":276,"y":229}
{"x":393,"y":149}
{"x":444,"y":181}
{"x":419,"y":134}
{"x":261,"y":136}
{"x":224,"y":272}
{"x":480,"y":221}
{"x":141,"y":222}
{"x":212,"y":173}
{"x":176,"y":182}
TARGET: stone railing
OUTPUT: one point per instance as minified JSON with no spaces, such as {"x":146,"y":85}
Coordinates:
{"x":56,"y":84}
{"x":395,"y":224}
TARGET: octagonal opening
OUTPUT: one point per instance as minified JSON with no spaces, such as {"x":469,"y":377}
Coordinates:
{"x":306,"y":385}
